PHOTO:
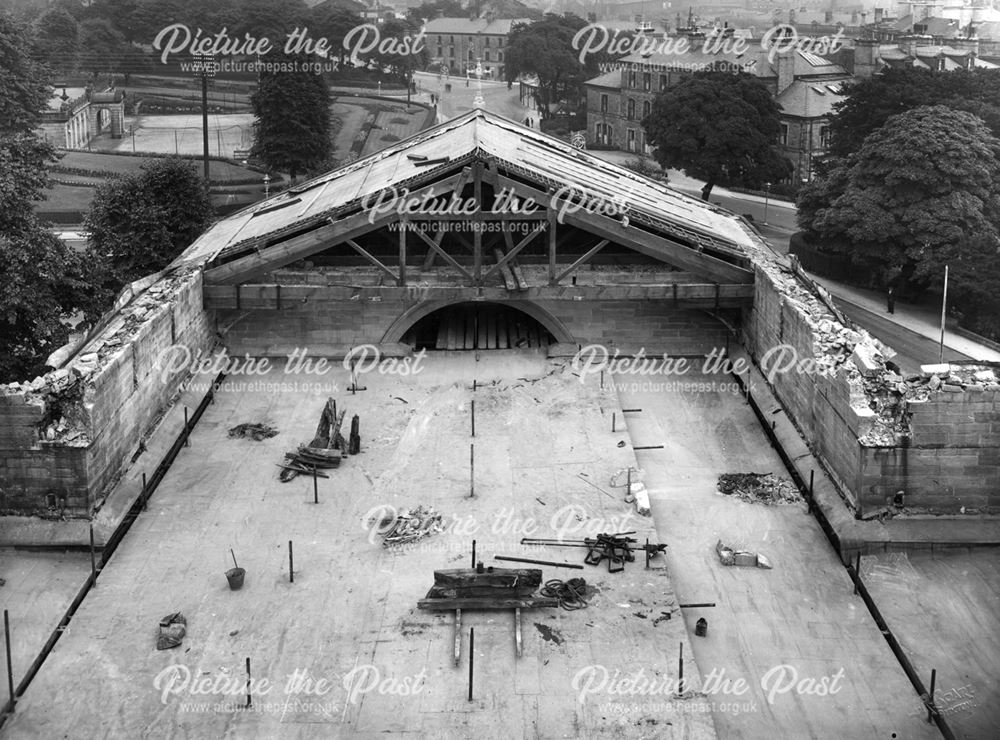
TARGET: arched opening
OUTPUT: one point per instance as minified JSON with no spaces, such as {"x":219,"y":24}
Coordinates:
{"x":478,"y":325}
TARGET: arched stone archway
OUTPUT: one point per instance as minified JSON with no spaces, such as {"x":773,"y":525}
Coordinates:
{"x":412,"y":315}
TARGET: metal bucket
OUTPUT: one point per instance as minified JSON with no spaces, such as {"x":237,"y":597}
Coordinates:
{"x":235,"y":578}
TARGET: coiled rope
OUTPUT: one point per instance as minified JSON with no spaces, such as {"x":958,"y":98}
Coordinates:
{"x":572,"y":594}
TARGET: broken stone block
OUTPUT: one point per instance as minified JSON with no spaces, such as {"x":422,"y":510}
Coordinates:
{"x":934,"y":383}
{"x":986,"y":375}
{"x":745,"y":558}
{"x":951,"y":388}
{"x":763,"y":562}
{"x":867,"y":360}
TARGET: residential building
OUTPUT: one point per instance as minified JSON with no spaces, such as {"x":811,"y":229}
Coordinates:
{"x":806,"y":86}
{"x":459,"y":43}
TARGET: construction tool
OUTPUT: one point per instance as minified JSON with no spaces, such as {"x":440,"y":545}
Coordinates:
{"x":616,"y":548}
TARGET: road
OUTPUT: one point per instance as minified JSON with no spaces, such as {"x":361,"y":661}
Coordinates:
{"x":914,"y":349}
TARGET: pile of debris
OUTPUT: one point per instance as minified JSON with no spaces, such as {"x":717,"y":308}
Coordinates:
{"x":762,"y":488}
{"x":410,"y":526}
{"x":732,"y":556}
{"x":327,"y":448}
{"x":256,"y":432}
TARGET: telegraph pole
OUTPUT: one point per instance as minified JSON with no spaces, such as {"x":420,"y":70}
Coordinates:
{"x":205,"y":67}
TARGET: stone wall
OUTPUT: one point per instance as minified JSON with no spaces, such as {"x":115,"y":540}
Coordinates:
{"x":876,"y":435}
{"x":332,"y":327}
{"x":66,"y":437}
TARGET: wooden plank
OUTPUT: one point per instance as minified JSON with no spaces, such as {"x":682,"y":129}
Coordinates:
{"x":502,"y":330}
{"x":477,"y":235}
{"x":659,"y":247}
{"x":505,"y":274}
{"x":402,"y":253}
{"x":483,"y":340}
{"x":470,"y":330}
{"x":491,"y":328}
{"x":442,"y":336}
{"x":453,"y":329}
{"x":444,"y":255}
{"x":535,"y":602}
{"x":513,"y":252}
{"x":552,"y":244}
{"x":458,"y":635}
{"x":439,"y":237}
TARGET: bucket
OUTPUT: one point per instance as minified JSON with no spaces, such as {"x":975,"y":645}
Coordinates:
{"x":700,"y":627}
{"x":235,"y":578}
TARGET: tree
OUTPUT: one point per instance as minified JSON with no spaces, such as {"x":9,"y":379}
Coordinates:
{"x":103,"y":48}
{"x":431,"y":9}
{"x":404,"y":56}
{"x":545,"y":49}
{"x":292,"y":125}
{"x":923,"y":191}
{"x":57,"y":39}
{"x":719,"y":127}
{"x":333,"y":22}
{"x":141,"y":221}
{"x":872,"y":101}
{"x":39,"y":274}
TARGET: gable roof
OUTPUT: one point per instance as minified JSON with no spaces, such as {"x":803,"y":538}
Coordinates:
{"x":472,"y":26}
{"x":810,"y":99}
{"x":755,"y":61}
{"x":547,"y":162}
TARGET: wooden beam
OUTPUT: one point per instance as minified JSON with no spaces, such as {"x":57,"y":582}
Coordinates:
{"x":444,"y":255}
{"x":509,"y":281}
{"x":552,"y":246}
{"x":589,"y":254}
{"x":512,"y":253}
{"x":659,"y":247}
{"x":402,"y":252}
{"x":486,"y":603}
{"x":291,"y":250}
{"x":374,"y":260}
{"x":463,"y":178}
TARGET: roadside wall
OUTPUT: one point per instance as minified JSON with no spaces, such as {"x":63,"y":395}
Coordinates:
{"x":937,"y":442}
{"x":66,"y":437}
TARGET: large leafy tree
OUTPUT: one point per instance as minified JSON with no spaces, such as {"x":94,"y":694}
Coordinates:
{"x":406,"y":55}
{"x":872,"y":101}
{"x":292,"y":124}
{"x":39,"y":274}
{"x":57,"y":39}
{"x":719,"y":127}
{"x":333,"y":21}
{"x":545,"y":49}
{"x":141,"y":221}
{"x":921,"y":192}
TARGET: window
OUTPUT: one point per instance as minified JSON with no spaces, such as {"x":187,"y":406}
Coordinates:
{"x":604,"y":103}
{"x":451,"y":39}
{"x":499,"y":56}
{"x":439,"y":39}
{"x":645,"y":108}
{"x":663,"y":82}
{"x":486,"y":41}
{"x":647,"y":81}
{"x":783,"y":136}
{"x":631,"y":78}
{"x":486,"y":55}
{"x":472,"y":55}
{"x":451,"y":52}
{"x":630,"y":143}
{"x":500,"y":42}
{"x":604,"y":134}
{"x":439,"y":49}
{"x":824,"y":137}
{"x":630,"y":110}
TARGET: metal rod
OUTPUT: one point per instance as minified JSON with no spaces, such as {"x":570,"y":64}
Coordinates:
{"x":10,"y":665}
{"x":187,"y":429}
{"x":315,"y":487}
{"x":696,"y":606}
{"x":143,"y":491}
{"x":812,"y":476}
{"x":473,"y":554}
{"x":680,"y":669}
{"x":291,"y":570}
{"x":472,"y":656}
{"x":631,"y":411}
{"x":472,"y":470}
{"x":857,"y":570}
{"x":612,"y":422}
{"x":93,"y":560}
{"x":944,"y":305}
{"x":602,"y":380}
{"x":648,"y":447}
{"x":580,"y":476}
{"x":930,"y":696}
{"x":249,"y":700}
{"x":473,"y":418}
{"x":538,"y":562}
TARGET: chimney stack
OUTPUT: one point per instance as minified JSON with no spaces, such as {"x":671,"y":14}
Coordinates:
{"x":785,"y":63}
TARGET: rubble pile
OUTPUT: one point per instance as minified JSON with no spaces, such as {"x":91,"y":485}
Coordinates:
{"x":759,"y":488}
{"x":409,"y":526}
{"x":256,"y":432}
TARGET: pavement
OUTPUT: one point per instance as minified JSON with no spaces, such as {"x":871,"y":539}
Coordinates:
{"x":343,"y":649}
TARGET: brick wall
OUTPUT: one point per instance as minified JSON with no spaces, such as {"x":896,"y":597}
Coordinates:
{"x":113,"y":406}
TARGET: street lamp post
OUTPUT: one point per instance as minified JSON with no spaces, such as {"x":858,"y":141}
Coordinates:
{"x":767,"y":191}
{"x":267,"y":185}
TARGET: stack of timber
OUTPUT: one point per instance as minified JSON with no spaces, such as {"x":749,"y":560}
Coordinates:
{"x":324,"y":452}
{"x":491,"y":588}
